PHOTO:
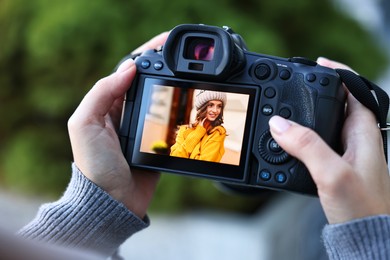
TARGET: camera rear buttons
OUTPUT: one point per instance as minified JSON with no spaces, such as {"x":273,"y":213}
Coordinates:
{"x":324,"y":81}
{"x":145,"y":64}
{"x":267,"y":110}
{"x":285,"y":112}
{"x":264,"y":175}
{"x":158,"y":65}
{"x":280,"y":177}
{"x":284,"y":74}
{"x":262,"y":71}
{"x":270,"y":92}
{"x":274,"y":146}
{"x":311,"y":77}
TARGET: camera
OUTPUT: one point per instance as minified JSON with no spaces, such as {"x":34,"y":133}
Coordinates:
{"x":209,"y":68}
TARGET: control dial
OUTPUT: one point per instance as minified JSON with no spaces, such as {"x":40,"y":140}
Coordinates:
{"x":270,"y":150}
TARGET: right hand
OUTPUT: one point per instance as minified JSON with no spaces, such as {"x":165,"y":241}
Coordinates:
{"x":353,"y":185}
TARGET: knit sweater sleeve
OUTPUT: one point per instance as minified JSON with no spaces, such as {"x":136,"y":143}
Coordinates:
{"x":367,"y":238}
{"x":84,"y":217}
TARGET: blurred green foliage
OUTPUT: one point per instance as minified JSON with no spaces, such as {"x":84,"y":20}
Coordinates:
{"x":52,"y":52}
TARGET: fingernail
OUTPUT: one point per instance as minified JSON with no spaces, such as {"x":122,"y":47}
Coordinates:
{"x":279,"y":124}
{"x":125,"y":65}
{"x":324,"y":61}
{"x":319,"y":59}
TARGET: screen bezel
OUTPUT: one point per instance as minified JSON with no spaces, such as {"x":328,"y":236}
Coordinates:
{"x":214,"y":170}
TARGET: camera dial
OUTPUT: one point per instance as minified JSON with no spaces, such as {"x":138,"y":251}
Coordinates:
{"x":270,"y":150}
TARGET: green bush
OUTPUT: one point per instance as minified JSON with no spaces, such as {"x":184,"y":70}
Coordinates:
{"x":52,"y":52}
{"x":34,"y":161}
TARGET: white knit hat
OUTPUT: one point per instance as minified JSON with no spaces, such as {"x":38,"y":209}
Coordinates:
{"x":205,"y":96}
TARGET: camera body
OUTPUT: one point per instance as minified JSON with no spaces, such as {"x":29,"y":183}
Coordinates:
{"x":199,"y":58}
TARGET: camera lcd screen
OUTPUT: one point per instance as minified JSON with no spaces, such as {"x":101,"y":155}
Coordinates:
{"x":194,"y":127}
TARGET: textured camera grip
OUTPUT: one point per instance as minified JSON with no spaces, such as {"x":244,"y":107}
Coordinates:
{"x":302,"y":98}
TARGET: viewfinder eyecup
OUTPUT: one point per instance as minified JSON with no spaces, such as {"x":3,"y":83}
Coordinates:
{"x":202,"y":52}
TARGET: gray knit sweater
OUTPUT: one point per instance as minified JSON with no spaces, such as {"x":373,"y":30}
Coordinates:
{"x":367,"y":238}
{"x":85,"y":217}
{"x":88,"y":218}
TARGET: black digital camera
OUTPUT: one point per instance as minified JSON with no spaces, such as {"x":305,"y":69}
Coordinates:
{"x":207,"y":61}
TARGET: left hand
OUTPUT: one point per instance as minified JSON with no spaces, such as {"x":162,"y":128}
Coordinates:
{"x":95,"y":143}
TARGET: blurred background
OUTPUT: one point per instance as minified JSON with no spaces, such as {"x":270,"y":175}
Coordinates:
{"x":52,"y":52}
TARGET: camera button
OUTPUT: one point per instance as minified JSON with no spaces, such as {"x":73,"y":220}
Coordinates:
{"x":280,"y":177}
{"x":285,"y":112}
{"x":267,"y":110}
{"x":145,"y":64}
{"x":264,"y":175}
{"x":324,"y":81}
{"x":311,"y":77}
{"x":158,"y":65}
{"x":262,"y":71}
{"x":274,"y":146}
{"x":270,"y":92}
{"x":285,"y":74}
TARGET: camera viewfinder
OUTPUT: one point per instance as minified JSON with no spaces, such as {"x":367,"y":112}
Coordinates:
{"x":199,"y":48}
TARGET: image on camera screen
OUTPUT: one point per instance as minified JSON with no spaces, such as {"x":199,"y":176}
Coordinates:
{"x":195,"y":121}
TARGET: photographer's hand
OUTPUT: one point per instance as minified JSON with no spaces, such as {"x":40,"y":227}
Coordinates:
{"x":351,"y":186}
{"x":95,"y":144}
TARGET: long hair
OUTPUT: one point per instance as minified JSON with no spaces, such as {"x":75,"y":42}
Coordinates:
{"x":201,"y":114}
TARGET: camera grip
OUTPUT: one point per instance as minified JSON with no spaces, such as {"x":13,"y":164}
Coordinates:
{"x":302,"y":98}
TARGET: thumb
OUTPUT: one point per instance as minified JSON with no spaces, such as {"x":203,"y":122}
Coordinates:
{"x":307,"y":146}
{"x":100,"y":99}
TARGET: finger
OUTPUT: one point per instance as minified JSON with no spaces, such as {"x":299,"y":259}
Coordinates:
{"x":355,"y":108}
{"x":304,"y":144}
{"x":155,"y":42}
{"x":99,"y":100}
{"x":360,"y":120}
{"x":332,"y":64}
{"x":360,"y":129}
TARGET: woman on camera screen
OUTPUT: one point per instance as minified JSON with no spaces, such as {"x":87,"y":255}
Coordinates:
{"x":203,"y":139}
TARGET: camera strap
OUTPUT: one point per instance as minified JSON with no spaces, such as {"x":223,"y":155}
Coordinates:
{"x":371,"y":96}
